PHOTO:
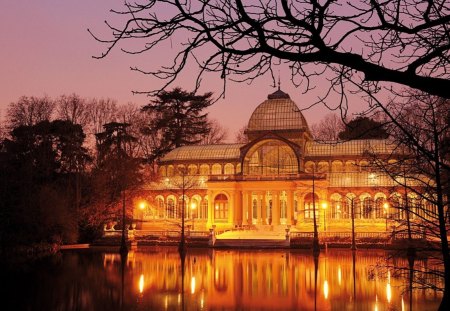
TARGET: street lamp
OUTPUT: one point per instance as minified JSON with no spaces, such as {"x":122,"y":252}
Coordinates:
{"x":324,"y":207}
{"x":193,"y":207}
{"x":386,"y":211}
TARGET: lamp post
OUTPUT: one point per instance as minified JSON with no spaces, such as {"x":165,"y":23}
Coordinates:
{"x":386,"y":211}
{"x":193,"y":207}
{"x":324,"y":207}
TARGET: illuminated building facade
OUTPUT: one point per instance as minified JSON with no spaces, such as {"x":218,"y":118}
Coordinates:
{"x":275,"y":180}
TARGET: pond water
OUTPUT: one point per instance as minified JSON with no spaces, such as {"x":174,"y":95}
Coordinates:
{"x":153,"y":279}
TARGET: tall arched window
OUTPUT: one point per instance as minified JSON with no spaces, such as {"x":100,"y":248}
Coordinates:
{"x":309,"y":207}
{"x":221,"y":207}
{"x":170,"y":208}
{"x":367,"y":208}
{"x":270,"y":157}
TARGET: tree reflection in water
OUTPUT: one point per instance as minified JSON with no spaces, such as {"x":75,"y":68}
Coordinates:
{"x":159,"y":279}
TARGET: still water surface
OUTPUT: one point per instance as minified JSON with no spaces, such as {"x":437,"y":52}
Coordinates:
{"x":153,"y":279}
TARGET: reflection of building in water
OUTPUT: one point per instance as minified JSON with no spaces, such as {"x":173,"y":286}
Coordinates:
{"x":279,"y":280}
{"x":269,"y":180}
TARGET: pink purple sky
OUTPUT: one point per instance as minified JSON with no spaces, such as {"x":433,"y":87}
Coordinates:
{"x":46,"y":49}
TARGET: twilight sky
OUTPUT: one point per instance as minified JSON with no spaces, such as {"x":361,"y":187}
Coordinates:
{"x":45,"y":49}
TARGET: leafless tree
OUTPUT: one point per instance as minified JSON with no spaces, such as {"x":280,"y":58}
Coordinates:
{"x":217,"y":134}
{"x":100,"y":112}
{"x":241,"y":137}
{"x":405,"y":42}
{"x":72,"y":108}
{"x":420,"y":133}
{"x":328,"y":128}
{"x":29,"y":111}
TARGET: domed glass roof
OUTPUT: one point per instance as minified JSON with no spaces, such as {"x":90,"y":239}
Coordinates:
{"x":278,"y":112}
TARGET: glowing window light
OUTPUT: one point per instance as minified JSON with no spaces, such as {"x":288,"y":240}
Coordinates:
{"x":325,"y":289}
{"x":141,"y":284}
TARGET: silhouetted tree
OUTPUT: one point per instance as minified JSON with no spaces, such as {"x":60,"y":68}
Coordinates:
{"x":217,"y":134}
{"x":363,"y":128}
{"x":37,"y":197}
{"x":29,"y":111}
{"x":179,"y":119}
{"x":241,"y":137}
{"x":419,"y":165}
{"x":115,"y":173}
{"x":328,"y":128}
{"x":73,"y":108}
{"x":403,"y":42}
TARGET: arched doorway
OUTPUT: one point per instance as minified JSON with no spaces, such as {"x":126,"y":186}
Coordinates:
{"x":221,"y":208}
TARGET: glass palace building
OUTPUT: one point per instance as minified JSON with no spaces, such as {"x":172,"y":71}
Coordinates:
{"x":275,"y":180}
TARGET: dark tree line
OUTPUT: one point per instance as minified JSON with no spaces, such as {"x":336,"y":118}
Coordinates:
{"x":58,"y":185}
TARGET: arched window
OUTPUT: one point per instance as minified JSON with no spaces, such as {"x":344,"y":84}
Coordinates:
{"x":309,"y":207}
{"x":170,"y":170}
{"x":337,"y":166}
{"x":221,"y":207}
{"x":204,"y":169}
{"x":335,"y":206}
{"x":322,"y":167}
{"x":162,"y":171}
{"x":170,"y":208}
{"x":270,"y":157}
{"x":192,"y":169}
{"x":367,"y":208}
{"x":217,"y":169}
{"x":204,"y":209}
{"x":160,"y":207}
{"x":381,"y":208}
{"x":229,"y":169}
{"x":194,"y":207}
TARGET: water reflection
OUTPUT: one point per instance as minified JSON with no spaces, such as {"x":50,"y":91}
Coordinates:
{"x":159,"y":279}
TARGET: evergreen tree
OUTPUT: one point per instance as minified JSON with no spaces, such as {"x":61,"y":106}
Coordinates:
{"x":363,"y":128}
{"x":179,"y":120}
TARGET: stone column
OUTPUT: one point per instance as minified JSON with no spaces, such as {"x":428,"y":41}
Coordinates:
{"x":258,"y":208}
{"x":289,"y":206}
{"x":264,"y":203}
{"x":275,"y":208}
{"x":210,"y":210}
{"x":245,"y":207}
{"x":231,"y":208}
{"x":300,"y":209}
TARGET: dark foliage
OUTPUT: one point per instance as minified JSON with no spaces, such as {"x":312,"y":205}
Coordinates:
{"x":363,"y":128}
{"x":179,"y":120}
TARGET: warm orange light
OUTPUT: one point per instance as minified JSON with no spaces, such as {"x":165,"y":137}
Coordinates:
{"x":141,"y":284}
{"x":142,"y":205}
{"x":339,"y":275}
{"x":386,"y":206}
{"x":193,"y":205}
{"x":217,"y":206}
{"x":324,"y":205}
{"x":193,"y":285}
{"x":388,"y":288}
{"x":325,"y":289}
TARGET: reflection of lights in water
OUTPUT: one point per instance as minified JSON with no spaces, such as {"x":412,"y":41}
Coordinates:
{"x":216,"y":274}
{"x":202,"y":301}
{"x":403,"y":304}
{"x":339,"y":275}
{"x":376,"y":303}
{"x":193,"y":285}
{"x":388,"y":288}
{"x":179,"y":298}
{"x":166,"y":302}
{"x":141,"y":284}
{"x":325,"y":289}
